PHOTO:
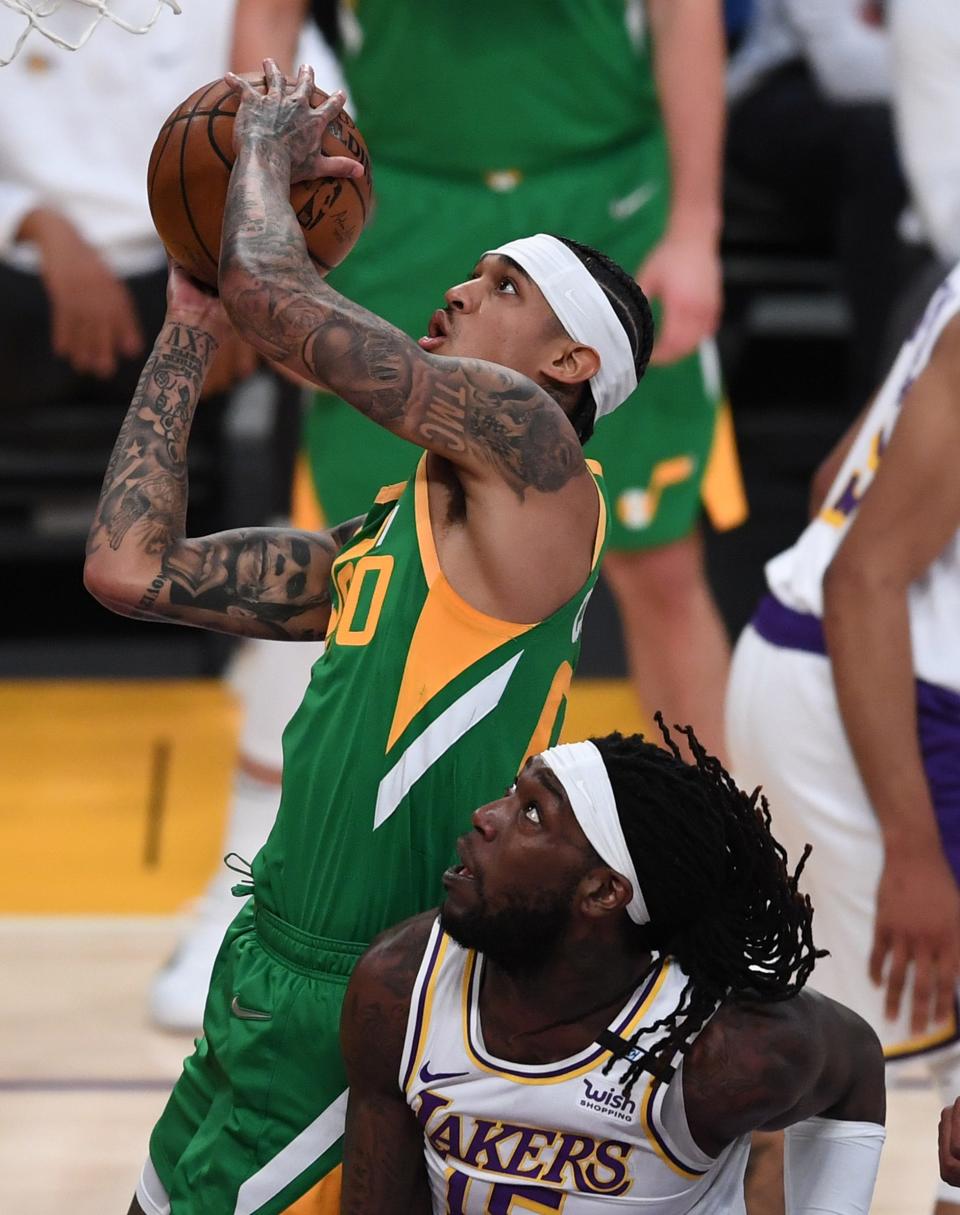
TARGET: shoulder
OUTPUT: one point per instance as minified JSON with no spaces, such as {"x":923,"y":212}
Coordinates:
{"x":373,"y":1023}
{"x":389,"y":966}
{"x":765,"y":1064}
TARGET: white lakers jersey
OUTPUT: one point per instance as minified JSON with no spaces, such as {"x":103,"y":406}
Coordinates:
{"x":796,"y":576}
{"x":505,"y":1137}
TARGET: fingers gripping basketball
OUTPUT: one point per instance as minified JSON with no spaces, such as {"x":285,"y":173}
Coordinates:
{"x":190,"y":169}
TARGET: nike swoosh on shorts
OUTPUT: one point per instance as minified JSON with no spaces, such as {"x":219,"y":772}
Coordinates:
{"x":630,"y":204}
{"x":248,"y":1014}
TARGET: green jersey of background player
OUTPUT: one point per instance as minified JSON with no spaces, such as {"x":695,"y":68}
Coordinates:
{"x":452,"y":611}
{"x":599,"y":119}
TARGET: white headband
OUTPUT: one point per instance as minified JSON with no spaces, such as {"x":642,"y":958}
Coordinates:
{"x":580,"y":769}
{"x":582,"y":309}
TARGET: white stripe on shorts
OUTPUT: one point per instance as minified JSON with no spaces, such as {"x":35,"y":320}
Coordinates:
{"x":298,"y":1155}
{"x":151,"y":1192}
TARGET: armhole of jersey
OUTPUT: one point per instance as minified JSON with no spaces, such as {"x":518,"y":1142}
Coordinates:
{"x":664,"y":1118}
{"x":596,"y":472}
{"x":421,"y":999}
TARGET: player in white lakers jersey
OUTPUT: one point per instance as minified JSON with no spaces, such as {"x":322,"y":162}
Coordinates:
{"x":609,"y":1003}
{"x":844,"y":703}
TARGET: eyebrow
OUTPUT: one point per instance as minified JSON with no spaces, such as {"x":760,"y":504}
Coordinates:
{"x":508,"y":261}
{"x":546,"y":777}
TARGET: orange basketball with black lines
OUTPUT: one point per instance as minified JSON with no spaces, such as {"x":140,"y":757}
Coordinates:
{"x":190,"y":169}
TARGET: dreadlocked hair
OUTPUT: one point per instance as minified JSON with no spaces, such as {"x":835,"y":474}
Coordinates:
{"x":633,"y":313}
{"x":721,"y":897}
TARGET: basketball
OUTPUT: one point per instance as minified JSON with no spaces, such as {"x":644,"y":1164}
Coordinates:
{"x":190,"y":169}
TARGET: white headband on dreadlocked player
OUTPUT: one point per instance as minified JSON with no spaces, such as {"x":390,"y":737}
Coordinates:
{"x":580,"y":769}
{"x":582,"y":309}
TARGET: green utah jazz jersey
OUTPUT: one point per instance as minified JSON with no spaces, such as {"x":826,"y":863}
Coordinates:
{"x":421,"y":709}
{"x":459,"y":89}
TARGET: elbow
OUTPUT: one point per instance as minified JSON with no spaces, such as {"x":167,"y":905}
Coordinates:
{"x":108,"y":590}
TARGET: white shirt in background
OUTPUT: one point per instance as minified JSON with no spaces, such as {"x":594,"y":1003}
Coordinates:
{"x":78,"y":126}
{"x":925,"y":37}
{"x":847,"y":54}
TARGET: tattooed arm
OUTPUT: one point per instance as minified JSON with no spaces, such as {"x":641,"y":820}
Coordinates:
{"x":260,"y":582}
{"x":383,"y":1166}
{"x":490,"y":421}
{"x":766,"y":1066}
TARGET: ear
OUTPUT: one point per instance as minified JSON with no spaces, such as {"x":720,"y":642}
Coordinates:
{"x":604,"y":893}
{"x":573,"y":363}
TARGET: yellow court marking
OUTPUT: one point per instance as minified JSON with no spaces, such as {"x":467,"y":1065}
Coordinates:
{"x":113,"y":794}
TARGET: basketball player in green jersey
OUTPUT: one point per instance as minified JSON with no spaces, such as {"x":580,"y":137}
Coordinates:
{"x":452,"y":613}
{"x":600,"y":119}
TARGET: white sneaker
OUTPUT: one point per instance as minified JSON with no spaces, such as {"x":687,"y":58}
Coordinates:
{"x":178,"y":994}
{"x":179,"y":991}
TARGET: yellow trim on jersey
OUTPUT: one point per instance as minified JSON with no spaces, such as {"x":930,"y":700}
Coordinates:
{"x":570,"y":1074}
{"x":390,"y":493}
{"x":430,"y":989}
{"x":421,"y":506}
{"x":601,"y":518}
{"x":652,"y":1139}
{"x":543,"y":730}
{"x":913,"y":1046}
{"x":445,"y":643}
{"x":323,"y":1198}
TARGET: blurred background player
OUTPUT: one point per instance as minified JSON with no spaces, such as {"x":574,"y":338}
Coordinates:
{"x":633,"y":964}
{"x":844,"y":703}
{"x":621,"y":147}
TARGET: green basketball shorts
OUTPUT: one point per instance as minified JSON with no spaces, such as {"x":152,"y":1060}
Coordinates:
{"x":255,"y":1121}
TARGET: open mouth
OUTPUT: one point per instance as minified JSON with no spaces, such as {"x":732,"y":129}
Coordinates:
{"x":437,"y":330}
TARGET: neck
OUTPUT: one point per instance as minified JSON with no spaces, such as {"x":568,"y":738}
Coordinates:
{"x":580,"y":986}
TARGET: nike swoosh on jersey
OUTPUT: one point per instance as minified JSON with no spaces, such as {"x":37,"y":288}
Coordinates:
{"x":429,"y":1077}
{"x":248,"y":1014}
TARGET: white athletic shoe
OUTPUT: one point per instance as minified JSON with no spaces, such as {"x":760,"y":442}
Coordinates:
{"x":179,"y":991}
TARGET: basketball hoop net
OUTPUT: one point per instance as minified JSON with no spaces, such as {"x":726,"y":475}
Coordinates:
{"x":36,"y":13}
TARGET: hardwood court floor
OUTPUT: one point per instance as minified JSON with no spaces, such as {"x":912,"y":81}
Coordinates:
{"x":94,"y":822}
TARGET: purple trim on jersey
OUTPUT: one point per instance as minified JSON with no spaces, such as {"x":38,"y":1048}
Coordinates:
{"x":658,"y":1135}
{"x":789,"y":629}
{"x":563,"y":1066}
{"x":938,"y":717}
{"x":938,"y":722}
{"x":421,"y":1006}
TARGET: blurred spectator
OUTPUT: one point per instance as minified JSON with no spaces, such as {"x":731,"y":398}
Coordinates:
{"x":82,"y":272}
{"x":926,"y":95}
{"x":810,"y":121}
{"x":925,"y":36}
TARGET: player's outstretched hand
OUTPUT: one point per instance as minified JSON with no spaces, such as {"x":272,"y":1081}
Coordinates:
{"x":917,"y":926}
{"x":950,"y":1143}
{"x":684,"y":275}
{"x":288,"y":125}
